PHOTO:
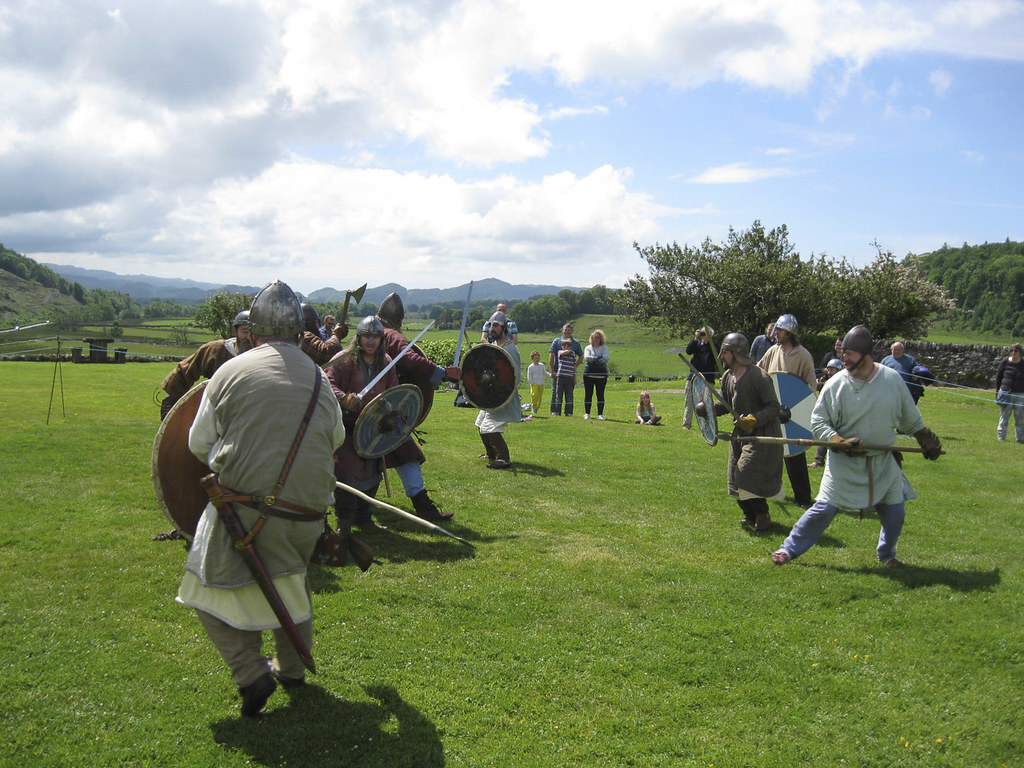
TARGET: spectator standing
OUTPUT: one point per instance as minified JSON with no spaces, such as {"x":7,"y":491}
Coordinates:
{"x":565,"y":377}
{"x":904,"y":365}
{"x":553,"y":351}
{"x":789,"y":356}
{"x":1010,"y":393}
{"x":595,"y":373}
{"x":328,"y":327}
{"x":535,"y":374}
{"x":762,"y":342}
{"x":835,"y":354}
{"x":700,"y":351}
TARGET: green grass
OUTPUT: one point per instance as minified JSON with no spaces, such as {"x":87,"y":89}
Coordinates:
{"x":612,"y":613}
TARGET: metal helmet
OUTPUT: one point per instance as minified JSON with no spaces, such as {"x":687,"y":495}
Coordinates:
{"x":788,"y":323}
{"x":310,"y":318}
{"x":836,"y":363}
{"x":737,"y":344}
{"x":392,"y":311}
{"x":858,"y":339}
{"x":370,"y":326}
{"x":500,"y":318}
{"x":242,"y":318}
{"x":275,"y":311}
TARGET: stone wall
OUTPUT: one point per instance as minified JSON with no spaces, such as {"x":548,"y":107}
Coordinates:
{"x":969,"y":365}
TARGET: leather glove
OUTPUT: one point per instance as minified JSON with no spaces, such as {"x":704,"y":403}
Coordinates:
{"x":351,"y":402}
{"x":929,"y":442}
{"x":453,"y":373}
{"x":747,"y":422}
{"x":340,"y":331}
{"x":720,"y":410}
{"x":847,"y":445}
{"x":701,"y":409}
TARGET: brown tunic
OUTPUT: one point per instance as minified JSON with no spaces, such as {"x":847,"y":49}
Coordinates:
{"x":202,"y":363}
{"x":754,"y":468}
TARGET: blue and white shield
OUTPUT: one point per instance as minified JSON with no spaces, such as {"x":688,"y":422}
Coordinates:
{"x":797,"y":401}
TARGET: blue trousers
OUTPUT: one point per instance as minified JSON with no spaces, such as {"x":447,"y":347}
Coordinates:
{"x":814,"y":521}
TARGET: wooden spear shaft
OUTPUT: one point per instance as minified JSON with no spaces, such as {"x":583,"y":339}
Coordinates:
{"x":826,"y":443}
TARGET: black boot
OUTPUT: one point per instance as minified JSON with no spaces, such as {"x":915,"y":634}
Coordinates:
{"x":501,"y":457}
{"x":425,"y":507}
{"x":255,"y":695}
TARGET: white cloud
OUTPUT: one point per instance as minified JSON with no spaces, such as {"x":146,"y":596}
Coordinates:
{"x":738,"y":173}
{"x":940,"y":80}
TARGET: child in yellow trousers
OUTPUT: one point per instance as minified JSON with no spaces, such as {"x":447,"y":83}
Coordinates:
{"x":535,"y":374}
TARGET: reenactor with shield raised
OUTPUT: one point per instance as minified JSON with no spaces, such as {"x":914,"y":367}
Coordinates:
{"x":413,"y":368}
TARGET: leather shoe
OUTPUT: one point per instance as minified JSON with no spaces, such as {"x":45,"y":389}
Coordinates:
{"x":255,"y":695}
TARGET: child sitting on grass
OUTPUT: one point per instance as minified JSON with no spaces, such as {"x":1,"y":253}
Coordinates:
{"x":645,"y":413}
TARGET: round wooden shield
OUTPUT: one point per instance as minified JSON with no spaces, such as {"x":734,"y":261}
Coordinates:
{"x":386,"y":422}
{"x":797,"y":401}
{"x":489,"y":377}
{"x":708,"y":424}
{"x":176,"y":470}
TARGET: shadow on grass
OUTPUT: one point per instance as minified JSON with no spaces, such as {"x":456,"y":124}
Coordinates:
{"x":534,"y":469}
{"x":318,"y":729}
{"x":913,"y":576}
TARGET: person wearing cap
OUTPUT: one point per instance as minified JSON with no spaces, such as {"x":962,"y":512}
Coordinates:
{"x":702,"y":354}
{"x":755,"y":469}
{"x":864,"y":404}
{"x":204,"y":362}
{"x":246,"y":431}
{"x":492,"y":423}
{"x":789,"y":356}
{"x":1010,"y":393}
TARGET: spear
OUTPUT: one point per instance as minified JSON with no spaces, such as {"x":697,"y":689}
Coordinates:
{"x":808,"y":442}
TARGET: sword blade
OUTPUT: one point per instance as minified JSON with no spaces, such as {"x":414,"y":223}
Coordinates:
{"x":394,"y":360}
{"x":462,"y":328}
{"x":401,"y":512}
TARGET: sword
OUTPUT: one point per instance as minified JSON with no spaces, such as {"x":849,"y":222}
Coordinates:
{"x":711,"y":387}
{"x":402,"y":512}
{"x":243,"y":544}
{"x":462,"y":328}
{"x":826,"y":443}
{"x":394,"y":360}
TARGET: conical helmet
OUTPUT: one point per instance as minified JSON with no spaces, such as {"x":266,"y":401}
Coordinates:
{"x":275,"y":311}
{"x":392,"y":311}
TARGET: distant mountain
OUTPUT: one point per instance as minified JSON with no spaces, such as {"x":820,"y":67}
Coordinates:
{"x":144,"y":288}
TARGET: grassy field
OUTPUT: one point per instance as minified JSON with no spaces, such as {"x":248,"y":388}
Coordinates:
{"x":613,"y":612}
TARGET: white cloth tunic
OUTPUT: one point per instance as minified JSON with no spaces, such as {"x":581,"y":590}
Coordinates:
{"x":873,"y":411}
{"x":244,"y":429}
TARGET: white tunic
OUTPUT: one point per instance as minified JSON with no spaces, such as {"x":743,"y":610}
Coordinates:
{"x":874,"y":411}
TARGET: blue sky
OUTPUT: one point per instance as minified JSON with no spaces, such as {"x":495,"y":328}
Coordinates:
{"x":431,"y":143}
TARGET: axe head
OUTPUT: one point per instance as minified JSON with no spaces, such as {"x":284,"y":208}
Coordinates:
{"x":357,"y":294}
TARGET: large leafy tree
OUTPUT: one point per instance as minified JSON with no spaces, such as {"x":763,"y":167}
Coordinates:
{"x":738,"y":285}
{"x":219,"y":311}
{"x":756,"y":275}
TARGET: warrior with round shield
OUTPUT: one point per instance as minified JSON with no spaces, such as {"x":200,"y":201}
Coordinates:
{"x":491,"y":423}
{"x":755,"y":469}
{"x":246,"y":569}
{"x":413,"y":368}
{"x":348,"y":376}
